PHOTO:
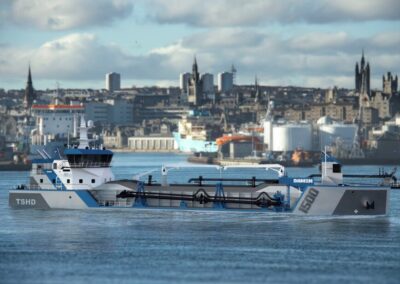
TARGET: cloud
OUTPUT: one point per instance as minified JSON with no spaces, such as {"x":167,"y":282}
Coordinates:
{"x":313,"y":59}
{"x":226,"y":13}
{"x":65,"y":14}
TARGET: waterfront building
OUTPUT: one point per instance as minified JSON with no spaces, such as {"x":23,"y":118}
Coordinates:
{"x":114,"y":139}
{"x":97,"y":112}
{"x":113,"y":111}
{"x":113,"y":81}
{"x":225,"y":82}
{"x":120,"y":111}
{"x":152,"y":144}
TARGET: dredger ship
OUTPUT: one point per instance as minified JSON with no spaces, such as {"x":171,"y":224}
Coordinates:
{"x":84,"y":180}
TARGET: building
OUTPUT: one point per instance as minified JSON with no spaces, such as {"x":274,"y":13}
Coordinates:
{"x":381,"y":102}
{"x":113,"y":81}
{"x":389,"y":84}
{"x":120,"y":111}
{"x":362,"y":77}
{"x":152,"y":144}
{"x":29,"y":95}
{"x":97,"y":112}
{"x":225,"y":82}
{"x":184,"y":82}
{"x":207,"y":80}
{"x":195,"y":94}
{"x":114,"y":139}
{"x":112,"y":111}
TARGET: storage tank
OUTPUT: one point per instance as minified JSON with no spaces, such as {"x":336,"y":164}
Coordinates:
{"x":289,"y":137}
{"x":330,"y":133}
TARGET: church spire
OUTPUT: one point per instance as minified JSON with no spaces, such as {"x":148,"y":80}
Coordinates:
{"x":195,"y":70}
{"x":362,"y":59}
{"x":29,"y":91}
{"x":29,"y":75}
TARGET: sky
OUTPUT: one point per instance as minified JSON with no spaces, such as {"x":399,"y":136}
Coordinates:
{"x":310,"y":43}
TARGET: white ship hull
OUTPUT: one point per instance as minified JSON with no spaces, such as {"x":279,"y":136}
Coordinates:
{"x":315,"y":200}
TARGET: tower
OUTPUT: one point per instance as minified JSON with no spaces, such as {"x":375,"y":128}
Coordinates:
{"x":195,"y":94}
{"x":113,"y":81}
{"x":29,"y":96}
{"x":362,"y":76}
{"x":389,"y":84}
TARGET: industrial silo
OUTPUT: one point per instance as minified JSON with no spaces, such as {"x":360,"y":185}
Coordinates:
{"x":289,"y":137}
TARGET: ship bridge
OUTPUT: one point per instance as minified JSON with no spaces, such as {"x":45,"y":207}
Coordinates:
{"x":88,"y":158}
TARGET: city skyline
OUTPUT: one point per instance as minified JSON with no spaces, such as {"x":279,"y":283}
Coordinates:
{"x":302,"y":43}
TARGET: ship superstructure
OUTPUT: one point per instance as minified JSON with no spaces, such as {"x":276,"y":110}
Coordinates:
{"x":197,"y":133}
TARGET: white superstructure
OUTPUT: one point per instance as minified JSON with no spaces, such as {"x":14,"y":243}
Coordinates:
{"x":55,"y":120}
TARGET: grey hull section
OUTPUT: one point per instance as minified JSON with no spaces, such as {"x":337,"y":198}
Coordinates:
{"x":27,"y":200}
{"x":362,"y":202}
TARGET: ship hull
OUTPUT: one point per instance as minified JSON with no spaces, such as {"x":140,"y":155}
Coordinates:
{"x":314,"y":200}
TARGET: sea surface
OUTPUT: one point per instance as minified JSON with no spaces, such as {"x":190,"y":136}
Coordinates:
{"x":172,"y":246}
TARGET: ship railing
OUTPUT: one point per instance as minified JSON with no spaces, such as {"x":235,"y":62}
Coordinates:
{"x":89,"y":165}
{"x":31,"y":187}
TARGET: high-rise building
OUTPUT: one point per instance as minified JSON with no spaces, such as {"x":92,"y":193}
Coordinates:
{"x":362,"y":77}
{"x":29,"y":96}
{"x":184,"y":82}
{"x":113,"y":81}
{"x":208,"y":83}
{"x":195,"y":94}
{"x":390,"y":83}
{"x":225,"y":82}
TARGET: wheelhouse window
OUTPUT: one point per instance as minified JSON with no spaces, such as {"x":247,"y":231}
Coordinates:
{"x":80,"y":180}
{"x":89,"y":160}
{"x":336,"y":168}
{"x":93,"y":180}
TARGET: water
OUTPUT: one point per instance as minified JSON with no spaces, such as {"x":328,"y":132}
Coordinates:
{"x":172,"y":246}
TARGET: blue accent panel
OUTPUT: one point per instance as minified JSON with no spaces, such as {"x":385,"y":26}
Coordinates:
{"x":74,"y":151}
{"x":42,"y":161}
{"x":52,"y":175}
{"x":87,"y":198}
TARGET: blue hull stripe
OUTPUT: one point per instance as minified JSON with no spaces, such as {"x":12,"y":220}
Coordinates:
{"x":87,"y":198}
